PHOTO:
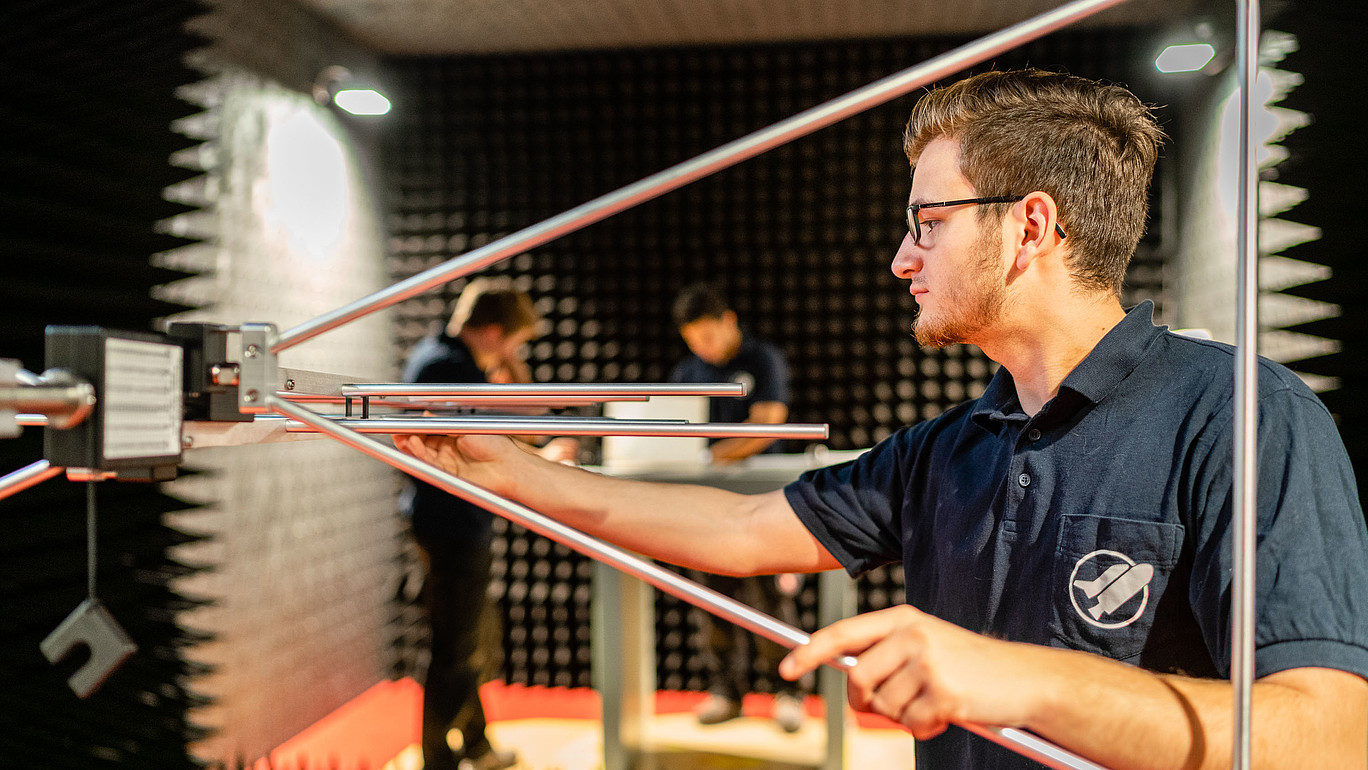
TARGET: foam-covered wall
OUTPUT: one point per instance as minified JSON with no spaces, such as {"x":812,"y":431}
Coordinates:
{"x":799,"y":238}
{"x":302,"y":534}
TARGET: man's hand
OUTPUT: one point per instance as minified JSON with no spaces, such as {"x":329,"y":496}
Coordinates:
{"x":562,"y":450}
{"x":923,"y":672}
{"x":487,"y":461}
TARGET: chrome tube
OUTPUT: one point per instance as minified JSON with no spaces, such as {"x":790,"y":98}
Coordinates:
{"x":451,"y":402}
{"x":65,"y":399}
{"x":725,"y":607}
{"x":550,"y":390}
{"x":454,"y":426}
{"x":27,"y":476}
{"x":1246,"y":440}
{"x":710,"y":162}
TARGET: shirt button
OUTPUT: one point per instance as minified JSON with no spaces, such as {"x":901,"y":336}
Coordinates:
{"x":1024,"y":480}
{"x":1033,"y":434}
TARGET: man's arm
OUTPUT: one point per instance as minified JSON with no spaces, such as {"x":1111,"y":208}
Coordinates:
{"x":693,"y":526}
{"x":926,"y":673}
{"x":730,"y":450}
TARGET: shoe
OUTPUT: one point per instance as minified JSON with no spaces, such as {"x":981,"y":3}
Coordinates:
{"x":788,"y":712}
{"x":491,"y":760}
{"x":717,"y":709}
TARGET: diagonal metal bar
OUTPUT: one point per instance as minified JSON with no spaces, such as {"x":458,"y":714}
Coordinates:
{"x":710,"y":162}
{"x":725,"y":607}
{"x":27,"y":476}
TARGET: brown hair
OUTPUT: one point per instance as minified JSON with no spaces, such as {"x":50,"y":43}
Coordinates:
{"x":698,"y":300}
{"x":485,"y":302}
{"x":1089,"y":145}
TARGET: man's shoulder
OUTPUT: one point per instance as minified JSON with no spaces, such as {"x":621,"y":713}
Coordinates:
{"x":1210,"y":365}
{"x":760,"y":345}
{"x":436,"y":359}
{"x":689,"y":369}
{"x":756,"y":352}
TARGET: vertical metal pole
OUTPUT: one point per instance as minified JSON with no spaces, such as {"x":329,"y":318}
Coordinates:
{"x":835,"y":600}
{"x":1245,"y":476}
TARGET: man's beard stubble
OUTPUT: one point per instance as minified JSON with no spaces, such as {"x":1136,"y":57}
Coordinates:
{"x":973,"y":301}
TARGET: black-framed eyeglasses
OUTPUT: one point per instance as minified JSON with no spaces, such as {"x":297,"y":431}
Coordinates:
{"x":914,"y":222}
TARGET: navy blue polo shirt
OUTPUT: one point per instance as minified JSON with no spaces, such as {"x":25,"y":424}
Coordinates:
{"x":443,"y":521}
{"x":757,"y":364}
{"x":1102,"y":523}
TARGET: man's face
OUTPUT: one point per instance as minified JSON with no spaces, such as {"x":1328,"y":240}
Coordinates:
{"x":511,"y":344}
{"x":957,"y":274}
{"x":712,"y":339}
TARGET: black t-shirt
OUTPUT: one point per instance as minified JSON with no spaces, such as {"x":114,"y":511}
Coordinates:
{"x":757,"y":364}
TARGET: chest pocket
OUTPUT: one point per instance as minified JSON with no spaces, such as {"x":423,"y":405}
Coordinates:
{"x":1108,"y":576}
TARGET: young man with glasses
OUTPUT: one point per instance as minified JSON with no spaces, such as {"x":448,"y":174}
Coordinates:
{"x":1065,"y":537}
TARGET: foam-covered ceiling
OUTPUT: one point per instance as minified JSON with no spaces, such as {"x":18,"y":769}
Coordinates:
{"x":447,"y":27}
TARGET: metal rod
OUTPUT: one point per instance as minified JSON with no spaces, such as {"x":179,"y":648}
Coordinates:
{"x":579,"y":390}
{"x":63,"y":397}
{"x":451,"y":426}
{"x":710,"y":162}
{"x":27,"y":476}
{"x":447,"y":402}
{"x":671,"y":583}
{"x":1246,"y":472}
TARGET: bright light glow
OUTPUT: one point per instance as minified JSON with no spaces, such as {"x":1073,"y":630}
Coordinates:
{"x":362,"y":101}
{"x":306,"y":189}
{"x":1184,"y":58}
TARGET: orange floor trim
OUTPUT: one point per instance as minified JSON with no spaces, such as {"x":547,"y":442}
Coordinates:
{"x":363,"y":734}
{"x":377,"y":725}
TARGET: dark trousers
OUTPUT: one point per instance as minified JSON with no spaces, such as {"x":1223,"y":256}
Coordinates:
{"x":728,"y":651}
{"x":461,"y":624}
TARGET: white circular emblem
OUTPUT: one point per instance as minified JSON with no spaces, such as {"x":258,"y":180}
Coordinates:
{"x":1117,"y":580}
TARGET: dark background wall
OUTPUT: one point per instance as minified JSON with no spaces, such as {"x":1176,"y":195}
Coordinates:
{"x":89,"y":101}
{"x":799,"y":238}
{"x":1328,"y":158}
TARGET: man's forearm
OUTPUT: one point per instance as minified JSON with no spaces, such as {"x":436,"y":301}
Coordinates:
{"x":734,"y":449}
{"x":1129,"y":719}
{"x":692,"y":526}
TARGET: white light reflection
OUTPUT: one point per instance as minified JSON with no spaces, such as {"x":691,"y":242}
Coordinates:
{"x":306,"y":195}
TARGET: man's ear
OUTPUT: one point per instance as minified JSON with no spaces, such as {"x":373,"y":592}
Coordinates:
{"x":1040,"y":216}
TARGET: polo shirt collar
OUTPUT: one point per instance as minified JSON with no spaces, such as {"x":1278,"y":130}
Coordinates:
{"x":1116,"y":355}
{"x":1113,"y":359}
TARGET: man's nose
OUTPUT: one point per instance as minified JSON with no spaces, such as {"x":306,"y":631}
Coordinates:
{"x":907,"y":262}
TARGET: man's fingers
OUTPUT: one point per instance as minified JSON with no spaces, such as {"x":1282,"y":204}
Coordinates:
{"x":851,"y":636}
{"x":408,"y":444}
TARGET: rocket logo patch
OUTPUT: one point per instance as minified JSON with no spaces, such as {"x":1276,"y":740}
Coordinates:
{"x":1109,"y":589}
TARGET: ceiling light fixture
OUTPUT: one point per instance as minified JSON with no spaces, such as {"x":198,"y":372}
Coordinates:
{"x":337,"y":85}
{"x":1190,"y":57}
